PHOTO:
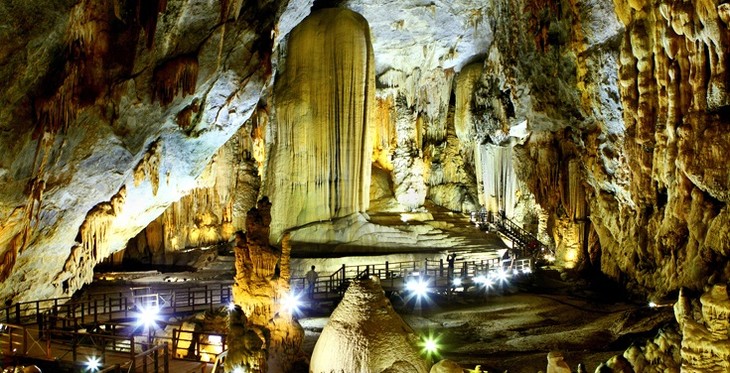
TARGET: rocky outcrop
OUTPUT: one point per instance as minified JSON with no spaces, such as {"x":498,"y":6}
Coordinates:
{"x":365,"y":334}
{"x":704,"y":326}
{"x":213,"y":211}
{"x":267,"y":337}
{"x":91,"y":100}
{"x":640,"y":142}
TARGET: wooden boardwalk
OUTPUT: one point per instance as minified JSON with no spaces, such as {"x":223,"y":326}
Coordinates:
{"x":104,"y":326}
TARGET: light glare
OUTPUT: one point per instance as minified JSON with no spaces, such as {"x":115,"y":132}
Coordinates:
{"x":93,"y":364}
{"x":147,"y":316}
{"x":457,"y":281}
{"x":291,"y":302}
{"x":418,"y":287}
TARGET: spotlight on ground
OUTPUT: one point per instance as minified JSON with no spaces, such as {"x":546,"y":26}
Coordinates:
{"x":502,"y":275}
{"x":418,"y":287}
{"x":147,"y":316}
{"x":231,"y":306}
{"x":291,"y":302}
{"x":652,"y":305}
{"x":456,"y":281}
{"x":430,"y":345}
{"x":93,"y":364}
{"x":239,"y":370}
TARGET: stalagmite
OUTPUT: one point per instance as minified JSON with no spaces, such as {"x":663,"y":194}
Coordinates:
{"x":321,"y":160}
{"x":266,"y":337}
{"x":365,"y":335}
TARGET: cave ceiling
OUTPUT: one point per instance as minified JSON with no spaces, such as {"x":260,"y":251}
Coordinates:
{"x":121,"y":115}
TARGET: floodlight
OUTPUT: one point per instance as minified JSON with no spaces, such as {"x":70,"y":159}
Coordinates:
{"x":456,"y":281}
{"x":93,"y":364}
{"x":291,"y":302}
{"x":418,"y":287}
{"x":430,"y":345}
{"x":502,"y":275}
{"x":147,"y":316}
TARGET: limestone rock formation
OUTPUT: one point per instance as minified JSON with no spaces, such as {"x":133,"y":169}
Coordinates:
{"x":210,"y":213}
{"x":705,"y":338}
{"x":446,"y":366}
{"x":320,"y":166}
{"x":91,"y":95}
{"x":267,"y":337}
{"x":365,"y":334}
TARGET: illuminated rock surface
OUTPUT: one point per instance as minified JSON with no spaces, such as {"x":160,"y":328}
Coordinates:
{"x":268,"y":339}
{"x":112,"y":113}
{"x":365,"y":334}
{"x":320,"y":164}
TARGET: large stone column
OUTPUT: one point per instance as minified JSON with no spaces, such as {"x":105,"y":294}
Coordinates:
{"x":321,"y":160}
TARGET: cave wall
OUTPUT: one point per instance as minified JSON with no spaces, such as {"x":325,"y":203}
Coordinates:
{"x":215,"y":209}
{"x":111,"y":111}
{"x":625,"y":101}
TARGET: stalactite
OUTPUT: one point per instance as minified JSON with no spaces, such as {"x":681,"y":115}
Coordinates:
{"x":177,"y":75}
{"x":465,"y":82}
{"x":94,"y":246}
{"x":148,"y":167}
{"x":230,"y":8}
{"x":321,"y":163}
{"x":146,"y":14}
{"x":498,"y":178}
{"x":577,"y":204}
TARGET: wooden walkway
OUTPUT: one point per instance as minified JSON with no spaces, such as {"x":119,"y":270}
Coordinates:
{"x":104,"y":326}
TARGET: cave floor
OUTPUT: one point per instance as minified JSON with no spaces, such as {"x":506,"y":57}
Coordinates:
{"x":515,"y":328}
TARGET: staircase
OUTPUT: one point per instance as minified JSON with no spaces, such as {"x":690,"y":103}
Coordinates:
{"x":525,"y":242}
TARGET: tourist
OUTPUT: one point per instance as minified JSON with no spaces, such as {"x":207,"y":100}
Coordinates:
{"x":311,"y":278}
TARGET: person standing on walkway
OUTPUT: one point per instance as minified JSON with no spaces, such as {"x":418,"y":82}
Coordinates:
{"x":311,"y":278}
{"x":450,"y":259}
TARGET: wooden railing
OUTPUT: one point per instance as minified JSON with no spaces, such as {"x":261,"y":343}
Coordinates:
{"x":219,"y":361}
{"x":97,"y":308}
{"x":525,"y":242}
{"x":197,"y":346}
{"x":150,"y":361}
{"x":389,"y":273}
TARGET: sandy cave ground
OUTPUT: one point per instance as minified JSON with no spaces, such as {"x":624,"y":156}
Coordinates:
{"x":514,"y":329}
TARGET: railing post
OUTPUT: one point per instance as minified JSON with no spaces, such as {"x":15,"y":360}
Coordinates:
{"x":441,"y":267}
{"x":166,"y":358}
{"x":17,"y":313}
{"x":25,"y":341}
{"x":156,"y":359}
{"x":73,"y":345}
{"x":206,"y":294}
{"x":132,"y":368}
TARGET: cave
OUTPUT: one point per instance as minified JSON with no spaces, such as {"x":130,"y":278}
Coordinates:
{"x":364,"y":186}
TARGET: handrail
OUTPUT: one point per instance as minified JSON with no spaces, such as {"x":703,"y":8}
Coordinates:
{"x":219,"y":360}
{"x":528,"y":244}
{"x":88,"y":309}
{"x":154,"y":354}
